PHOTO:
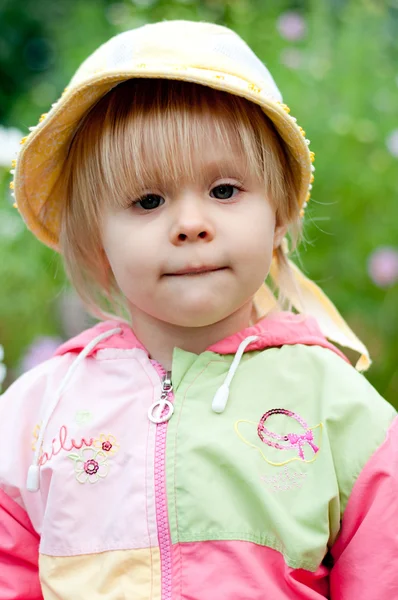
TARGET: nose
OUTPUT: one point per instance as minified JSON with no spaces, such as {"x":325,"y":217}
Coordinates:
{"x":191,"y":223}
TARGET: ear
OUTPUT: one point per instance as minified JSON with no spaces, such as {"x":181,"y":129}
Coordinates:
{"x":279,"y":234}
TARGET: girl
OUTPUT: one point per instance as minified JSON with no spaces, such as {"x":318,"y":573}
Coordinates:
{"x":203,"y":443}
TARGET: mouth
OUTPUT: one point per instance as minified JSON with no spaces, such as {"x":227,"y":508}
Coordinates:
{"x":190,"y":271}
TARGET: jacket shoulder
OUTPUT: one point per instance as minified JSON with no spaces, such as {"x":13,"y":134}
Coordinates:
{"x":356,"y":419}
{"x":318,"y":383}
{"x":28,"y":390}
{"x":21,"y":407}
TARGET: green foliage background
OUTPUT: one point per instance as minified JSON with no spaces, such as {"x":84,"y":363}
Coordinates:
{"x":344,"y":93}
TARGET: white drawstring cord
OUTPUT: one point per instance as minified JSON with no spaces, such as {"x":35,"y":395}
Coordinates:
{"x":221,"y":396}
{"x":33,"y":478}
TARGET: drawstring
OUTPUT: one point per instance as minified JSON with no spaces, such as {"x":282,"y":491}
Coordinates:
{"x":33,"y":479}
{"x":218,"y":405}
{"x":221,"y":396}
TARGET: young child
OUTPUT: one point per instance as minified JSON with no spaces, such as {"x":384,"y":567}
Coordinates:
{"x":203,"y":443}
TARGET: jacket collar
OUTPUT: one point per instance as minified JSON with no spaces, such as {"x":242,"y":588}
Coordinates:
{"x":279,"y":329}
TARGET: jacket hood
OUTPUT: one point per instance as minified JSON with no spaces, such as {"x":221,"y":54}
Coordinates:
{"x":279,"y":329}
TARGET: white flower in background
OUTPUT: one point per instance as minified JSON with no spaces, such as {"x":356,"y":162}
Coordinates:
{"x":383,"y":266}
{"x":392,"y":143}
{"x":3,"y":368}
{"x":291,"y":58}
{"x":291,"y":26}
{"x":11,"y":225}
{"x":9,"y":145}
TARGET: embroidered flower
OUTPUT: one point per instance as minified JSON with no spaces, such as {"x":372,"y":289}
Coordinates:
{"x":90,"y":465}
{"x":107,"y":443}
{"x":285,"y":479}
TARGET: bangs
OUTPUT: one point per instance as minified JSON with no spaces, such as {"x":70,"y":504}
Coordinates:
{"x":147,"y":134}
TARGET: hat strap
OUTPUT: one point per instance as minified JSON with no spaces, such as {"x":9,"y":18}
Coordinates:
{"x":306,"y":297}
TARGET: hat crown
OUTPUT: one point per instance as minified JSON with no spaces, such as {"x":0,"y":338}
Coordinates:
{"x":182,"y":44}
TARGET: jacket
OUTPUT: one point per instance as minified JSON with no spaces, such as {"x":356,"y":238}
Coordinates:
{"x":265,"y":467}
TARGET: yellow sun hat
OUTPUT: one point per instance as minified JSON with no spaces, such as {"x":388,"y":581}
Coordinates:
{"x":196,"y":52}
{"x":202,"y":53}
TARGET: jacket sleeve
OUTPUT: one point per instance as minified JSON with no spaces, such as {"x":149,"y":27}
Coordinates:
{"x":21,"y":511}
{"x":365,"y":553}
{"x":19,"y":543}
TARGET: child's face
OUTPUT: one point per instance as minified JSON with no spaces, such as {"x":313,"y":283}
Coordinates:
{"x":196,"y":252}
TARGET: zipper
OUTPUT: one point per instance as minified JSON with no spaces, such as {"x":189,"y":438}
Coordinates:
{"x":162,"y":410}
{"x":159,"y":413}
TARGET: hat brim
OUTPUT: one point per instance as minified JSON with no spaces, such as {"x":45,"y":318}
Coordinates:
{"x":45,"y":150}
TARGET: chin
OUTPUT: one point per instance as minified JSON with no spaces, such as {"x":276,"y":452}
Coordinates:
{"x":196,"y":322}
{"x":197,"y":316}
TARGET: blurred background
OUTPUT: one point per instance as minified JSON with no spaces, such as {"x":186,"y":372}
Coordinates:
{"x":336,"y":62}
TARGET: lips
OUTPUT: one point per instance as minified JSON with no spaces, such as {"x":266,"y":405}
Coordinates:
{"x":196,"y":271}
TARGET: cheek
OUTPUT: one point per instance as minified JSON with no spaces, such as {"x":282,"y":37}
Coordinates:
{"x":254,"y":247}
{"x":123,"y":252}
{"x":258,"y":237}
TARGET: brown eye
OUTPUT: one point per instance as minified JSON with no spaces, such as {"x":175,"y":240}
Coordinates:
{"x":150,"y":201}
{"x":224,"y":191}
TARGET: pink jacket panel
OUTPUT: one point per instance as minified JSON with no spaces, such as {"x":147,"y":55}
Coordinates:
{"x":19,"y":551}
{"x":366,"y":551}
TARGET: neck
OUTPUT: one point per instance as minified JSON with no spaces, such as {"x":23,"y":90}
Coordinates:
{"x":160,"y":338}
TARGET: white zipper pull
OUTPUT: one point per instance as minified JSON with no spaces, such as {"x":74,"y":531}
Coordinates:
{"x":157,"y":412}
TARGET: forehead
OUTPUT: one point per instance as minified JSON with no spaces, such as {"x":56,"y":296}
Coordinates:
{"x":212,"y":157}
{"x":160,"y":133}
{"x":201,"y":147}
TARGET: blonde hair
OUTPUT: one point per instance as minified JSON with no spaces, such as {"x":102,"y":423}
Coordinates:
{"x":142,"y":133}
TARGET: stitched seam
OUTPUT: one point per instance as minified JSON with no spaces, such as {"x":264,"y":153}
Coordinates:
{"x":68,"y":551}
{"x":146,"y":483}
{"x":266,"y":542}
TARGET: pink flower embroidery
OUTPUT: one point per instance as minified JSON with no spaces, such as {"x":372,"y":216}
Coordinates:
{"x":90,"y":465}
{"x":107,"y":443}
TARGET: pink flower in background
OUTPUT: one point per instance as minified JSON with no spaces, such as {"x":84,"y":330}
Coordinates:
{"x":383,"y":266}
{"x":40,"y":350}
{"x":292,"y":26}
{"x":392,"y":143}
